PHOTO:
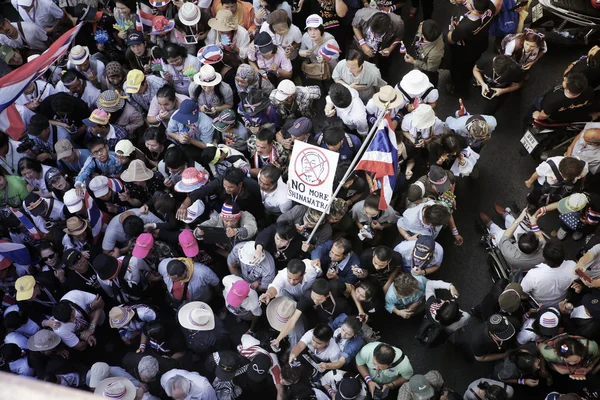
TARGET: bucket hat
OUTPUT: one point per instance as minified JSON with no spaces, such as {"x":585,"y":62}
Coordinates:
{"x":136,"y":172}
{"x":415,"y":82}
{"x":387,"y":96}
{"x":224,"y":21}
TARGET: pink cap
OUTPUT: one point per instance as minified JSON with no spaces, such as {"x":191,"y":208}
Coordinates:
{"x":188,"y":243}
{"x":143,"y":245}
{"x":238,"y":292}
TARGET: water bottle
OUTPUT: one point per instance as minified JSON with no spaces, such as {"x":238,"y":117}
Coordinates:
{"x":402,"y":48}
{"x":567,"y":35}
{"x":373,"y":4}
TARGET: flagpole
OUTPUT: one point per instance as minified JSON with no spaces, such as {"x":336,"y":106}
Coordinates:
{"x":350,"y":169}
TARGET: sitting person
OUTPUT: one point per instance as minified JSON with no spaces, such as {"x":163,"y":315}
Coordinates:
{"x":321,"y":348}
{"x":422,"y":256}
{"x":336,"y":259}
{"x":406,"y":296}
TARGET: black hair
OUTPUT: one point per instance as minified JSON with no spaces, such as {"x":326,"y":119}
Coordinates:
{"x":95,"y":141}
{"x":296,"y":266}
{"x":320,"y":287}
{"x":29,"y":163}
{"x":285,"y":230}
{"x":453,"y":143}
{"x":173,"y":50}
{"x":62,"y":311}
{"x":14,"y":320}
{"x":228,"y":1}
{"x":167,"y":91}
{"x":217,"y":93}
{"x":234,"y":175}
{"x":380,"y":24}
{"x":10,"y":352}
{"x":69,"y":76}
{"x":176,"y":268}
{"x":495,"y":392}
{"x":63,"y":103}
{"x":175,"y":157}
{"x":451,"y":394}
{"x":372,"y":201}
{"x":356,"y":55}
{"x":323,"y":332}
{"x":340,"y":95}
{"x":344,"y":244}
{"x":383,"y":253}
{"x":290,"y":373}
{"x":354,"y":323}
{"x":271,"y":172}
{"x":431,"y":30}
{"x":333,"y":135}
{"x":569,"y":346}
{"x":49,"y":245}
{"x":266,"y":134}
{"x":155,"y":133}
{"x":554,"y":253}
{"x":576,"y":82}
{"x":133,"y":226}
{"x":448,"y":313}
{"x":371,"y":288}
{"x":528,"y":242}
{"x":481,"y":5}
{"x":502,"y":64}
{"x":165,"y":204}
{"x":384,"y":354}
{"x":39,"y":120}
{"x":525,"y":362}
{"x":3,"y":139}
{"x":437,"y":215}
{"x":155,"y":330}
{"x":208,"y":154}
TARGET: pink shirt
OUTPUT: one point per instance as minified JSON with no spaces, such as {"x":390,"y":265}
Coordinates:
{"x":278,"y":59}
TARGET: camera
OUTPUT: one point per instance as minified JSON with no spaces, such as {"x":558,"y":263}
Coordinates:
{"x":26,"y":144}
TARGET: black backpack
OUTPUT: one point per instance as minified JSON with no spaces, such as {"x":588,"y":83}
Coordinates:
{"x":431,"y":333}
{"x":552,"y":193}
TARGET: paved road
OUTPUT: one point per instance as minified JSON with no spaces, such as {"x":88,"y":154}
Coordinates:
{"x":503,"y":172}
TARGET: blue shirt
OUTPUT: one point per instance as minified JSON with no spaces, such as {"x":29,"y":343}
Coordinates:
{"x":75,"y":166}
{"x":392,"y":301}
{"x":347,"y":151}
{"x":115,"y":134}
{"x":111,"y":168}
{"x":203,"y":130}
{"x":350,"y":347}
{"x":47,"y":146}
{"x":344,"y":267}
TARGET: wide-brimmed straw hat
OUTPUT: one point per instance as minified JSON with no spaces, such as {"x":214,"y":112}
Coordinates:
{"x":136,"y":172}
{"x":116,"y":388}
{"x":224,"y":21}
{"x":75,"y":226}
{"x":196,"y":316}
{"x":387,"y":97}
{"x":279,"y":312}
{"x":120,"y":316}
{"x":207,"y":76}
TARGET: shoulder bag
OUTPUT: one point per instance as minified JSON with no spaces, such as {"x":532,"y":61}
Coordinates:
{"x":320,"y":71}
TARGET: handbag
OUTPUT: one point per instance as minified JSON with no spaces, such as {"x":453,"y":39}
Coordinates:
{"x":317,"y":71}
{"x":431,"y":333}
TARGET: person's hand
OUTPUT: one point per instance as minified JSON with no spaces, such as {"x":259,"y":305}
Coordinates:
{"x":458,"y":239}
{"x":147,"y":69}
{"x":122,"y":35}
{"x":91,"y":340}
{"x":124,"y":195}
{"x":358,"y":272}
{"x":405,"y":314}
{"x":100,"y":47}
{"x":149,"y":227}
{"x":484,"y":89}
{"x":300,"y":228}
{"x":421,"y":144}
{"x":323,"y":366}
{"x":275,"y":343}
{"x":178,"y":3}
{"x":535,"y":114}
{"x":372,"y":385}
{"x":43,"y":157}
{"x":144,"y":209}
{"x":376,"y":225}
{"x":164,"y":115}
{"x":497,"y":92}
{"x":329,"y":110}
{"x":417,"y":271}
{"x":261,"y":13}
{"x":98,"y":303}
{"x":85,"y":335}
{"x":168,"y":76}
{"x":304,"y":53}
{"x":409,"y":59}
{"x":60,"y":274}
{"x":577,"y":287}
{"x":528,"y":65}
{"x":357,"y":86}
{"x":198,"y":232}
{"x":231,"y":232}
{"x":85,"y":254}
{"x":528,"y":184}
{"x":255,"y":285}
{"x":52,"y":323}
{"x":386,"y":52}
{"x":287,"y":143}
{"x":453,"y":291}
{"x":413,"y":237}
{"x":316,"y":263}
{"x":111,"y":208}
{"x":258,"y":255}
{"x":181,"y":213}
{"x":291,"y":358}
{"x":288,"y":51}
{"x":367,"y":50}
{"x":168,"y":182}
{"x":331,"y":275}
{"x":306,"y":247}
{"x":78,"y":190}
{"x":183,"y":138}
{"x":204,"y":109}
{"x":264,"y":298}
{"x":408,"y":174}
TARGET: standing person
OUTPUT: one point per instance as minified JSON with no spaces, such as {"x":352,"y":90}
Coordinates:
{"x":429,"y":48}
{"x":285,"y":34}
{"x":319,"y":46}
{"x":268,"y":57}
{"x":497,"y":75}
{"x":228,"y":34}
{"x":525,"y":48}
{"x":142,"y":89}
{"x":383,"y":367}
{"x":345,"y":102}
{"x":468,"y":38}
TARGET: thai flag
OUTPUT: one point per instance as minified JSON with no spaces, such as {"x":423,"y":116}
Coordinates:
{"x":381,"y":158}
{"x":115,"y":185}
{"x":15,"y":83}
{"x":94,"y":215}
{"x":143,"y":20}
{"x":27,"y":223}
{"x":15,"y":252}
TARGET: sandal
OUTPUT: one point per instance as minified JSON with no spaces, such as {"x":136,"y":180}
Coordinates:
{"x":412,"y":12}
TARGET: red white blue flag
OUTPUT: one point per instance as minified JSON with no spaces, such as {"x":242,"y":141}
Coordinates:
{"x":15,"y":83}
{"x":381,"y":158}
{"x":94,"y":215}
{"x":143,"y":20}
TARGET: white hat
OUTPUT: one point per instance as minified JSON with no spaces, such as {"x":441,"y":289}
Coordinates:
{"x":99,"y":372}
{"x":314,"y":21}
{"x":415,"y":82}
{"x":423,"y":117}
{"x":79,"y":54}
{"x":117,"y":388}
{"x":285,"y":89}
{"x":279,"y":311}
{"x":99,"y":185}
{"x":246,"y":253}
{"x":194,"y":211}
{"x":189,"y":14}
{"x":207,"y":76}
{"x":196,"y":316}
{"x":124,"y":148}
{"x":73,"y":201}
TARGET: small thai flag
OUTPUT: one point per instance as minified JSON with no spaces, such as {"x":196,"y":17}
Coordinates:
{"x":328,"y":51}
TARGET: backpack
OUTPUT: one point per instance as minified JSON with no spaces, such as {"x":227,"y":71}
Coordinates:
{"x":431,"y":333}
{"x":507,"y":20}
{"x":551,"y":193}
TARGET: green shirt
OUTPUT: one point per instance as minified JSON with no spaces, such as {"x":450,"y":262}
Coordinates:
{"x":365,"y":357}
{"x":17,"y":191}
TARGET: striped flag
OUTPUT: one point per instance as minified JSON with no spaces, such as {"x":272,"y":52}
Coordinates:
{"x":15,"y":252}
{"x":115,"y":185}
{"x":27,"y":223}
{"x":17,"y":81}
{"x":143,"y":20}
{"x":94,"y":215}
{"x":381,"y":158}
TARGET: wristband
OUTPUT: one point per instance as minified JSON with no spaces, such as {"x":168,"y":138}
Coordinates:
{"x":368,"y":379}
{"x":361,"y":42}
{"x":454,"y":232}
{"x":521,"y":381}
{"x":535,"y":228}
{"x":93,"y":326}
{"x":142,"y":345}
{"x":393,"y":8}
{"x":544,"y":210}
{"x":330,"y":391}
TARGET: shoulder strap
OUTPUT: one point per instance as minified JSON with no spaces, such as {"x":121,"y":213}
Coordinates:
{"x":424,"y":95}
{"x":555,"y":170}
{"x":410,"y":98}
{"x":349,"y":140}
{"x":83,"y":313}
{"x":320,"y":139}
{"x":20,"y":27}
{"x":319,"y":45}
{"x":396,"y":363}
{"x":421,"y":185}
{"x":474,"y":393}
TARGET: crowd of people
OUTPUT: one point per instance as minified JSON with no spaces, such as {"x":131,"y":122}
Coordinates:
{"x":149,"y":247}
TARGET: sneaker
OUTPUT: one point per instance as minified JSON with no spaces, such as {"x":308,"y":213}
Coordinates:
{"x":577,"y":235}
{"x":561,"y":234}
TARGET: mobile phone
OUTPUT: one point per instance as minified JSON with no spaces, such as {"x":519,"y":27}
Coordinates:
{"x":519,"y":5}
{"x":190,"y":39}
{"x":583,"y":275}
{"x":488,"y":95}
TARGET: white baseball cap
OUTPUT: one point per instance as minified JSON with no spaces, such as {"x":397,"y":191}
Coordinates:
{"x":285,"y":89}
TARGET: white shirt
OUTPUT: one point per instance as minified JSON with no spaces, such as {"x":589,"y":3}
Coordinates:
{"x":242,"y":40}
{"x":96,"y":67}
{"x":547,"y":285}
{"x":180,"y":81}
{"x":250,"y":305}
{"x":277,"y":201}
{"x":588,"y":152}
{"x":41,"y":90}
{"x":526,"y":335}
{"x":115,"y":234}
{"x":436,"y":130}
{"x":66,"y":330}
{"x":547,"y":175}
{"x":405,"y":248}
{"x":280,"y":283}
{"x":593,"y":267}
{"x":29,"y":328}
{"x":294,"y":35}
{"x":35,"y":37}
{"x":412,"y":221}
{"x":331,"y":353}
{"x":355,"y":115}
{"x":18,"y":339}
{"x":44,"y":13}
{"x":200,"y":387}
{"x":21,"y":367}
{"x":90,"y":93}
{"x":114,"y":372}
{"x":56,"y":214}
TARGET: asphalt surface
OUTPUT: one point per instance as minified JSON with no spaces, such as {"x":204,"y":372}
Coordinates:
{"x":502,"y":175}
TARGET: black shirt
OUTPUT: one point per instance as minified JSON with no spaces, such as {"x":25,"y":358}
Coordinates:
{"x":266,"y":238}
{"x":473,"y":33}
{"x":482,"y":344}
{"x":592,"y":74}
{"x":382,"y":275}
{"x":325,"y":312}
{"x":87,"y":282}
{"x":79,"y":108}
{"x":492,"y":79}
{"x":358,"y":186}
{"x":563,"y":109}
{"x":204,"y":342}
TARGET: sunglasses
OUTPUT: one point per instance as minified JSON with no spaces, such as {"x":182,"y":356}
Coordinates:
{"x":50,"y":257}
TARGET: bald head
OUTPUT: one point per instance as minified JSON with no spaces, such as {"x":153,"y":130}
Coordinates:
{"x":592,"y":136}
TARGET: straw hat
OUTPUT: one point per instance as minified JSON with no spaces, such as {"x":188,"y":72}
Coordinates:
{"x":279,"y":311}
{"x":137,"y":172}
{"x":246,"y":254}
{"x":423,"y":117}
{"x":225,"y":21}
{"x":120,"y":316}
{"x":415,"y":82}
{"x":79,"y":54}
{"x":189,"y":14}
{"x":387,"y":96}
{"x":116,"y":388}
{"x":196,"y":316}
{"x":75,"y":226}
{"x":43,"y":340}
{"x":207,"y":76}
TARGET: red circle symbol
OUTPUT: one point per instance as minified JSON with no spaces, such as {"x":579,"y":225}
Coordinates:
{"x":312,"y":167}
